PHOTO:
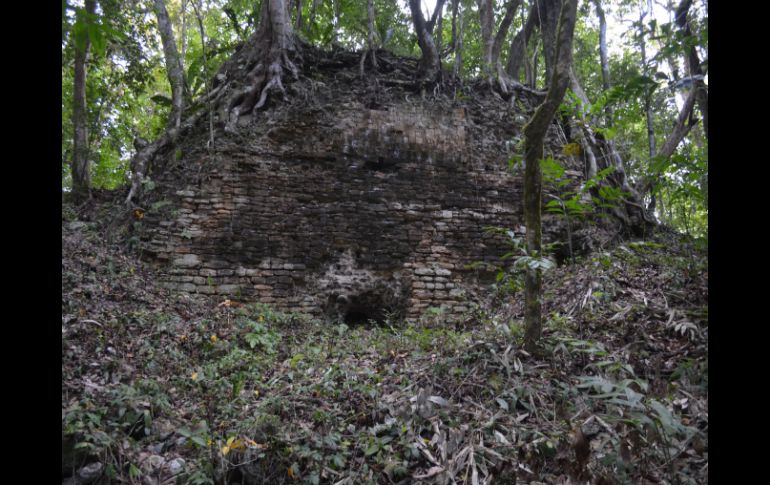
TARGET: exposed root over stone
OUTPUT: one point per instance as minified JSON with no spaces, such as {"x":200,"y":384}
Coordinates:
{"x":248,"y":80}
{"x":270,"y":47}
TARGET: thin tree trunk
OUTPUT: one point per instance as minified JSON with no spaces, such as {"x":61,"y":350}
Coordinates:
{"x":647,"y":101}
{"x":459,"y":42}
{"x":429,"y":65}
{"x":199,"y":16}
{"x":298,"y":24}
{"x":502,"y":31}
{"x":533,"y":65}
{"x":487,"y":23}
{"x":497,"y":44}
{"x":440,"y":32}
{"x":370,"y":14}
{"x":234,"y":21}
{"x":603,"y":45}
{"x":548,"y":18}
{"x":81,"y":174}
{"x":454,"y":24}
{"x":517,"y":54}
{"x":435,"y":16}
{"x":174,"y":68}
{"x":492,"y":43}
{"x":534,"y":134}
{"x":183,"y":34}
{"x":682,"y":127}
{"x":603,"y":56}
{"x":692,"y":64}
{"x":684,"y":124}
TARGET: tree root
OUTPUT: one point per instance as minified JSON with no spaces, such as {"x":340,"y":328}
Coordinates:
{"x":146,"y":154}
{"x":269,"y":49}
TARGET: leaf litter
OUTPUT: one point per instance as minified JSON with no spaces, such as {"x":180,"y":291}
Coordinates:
{"x":160,"y":387}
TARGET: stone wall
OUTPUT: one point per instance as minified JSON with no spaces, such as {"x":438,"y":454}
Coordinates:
{"x":348,"y":212}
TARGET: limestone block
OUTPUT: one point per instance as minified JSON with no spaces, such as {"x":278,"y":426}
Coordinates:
{"x":187,"y":261}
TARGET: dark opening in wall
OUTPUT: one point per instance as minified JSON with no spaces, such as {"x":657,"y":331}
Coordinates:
{"x":376,"y":306}
{"x":363,"y":315}
{"x":367,"y":307}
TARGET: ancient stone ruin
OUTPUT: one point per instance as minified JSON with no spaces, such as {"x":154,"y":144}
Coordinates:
{"x":352,"y":209}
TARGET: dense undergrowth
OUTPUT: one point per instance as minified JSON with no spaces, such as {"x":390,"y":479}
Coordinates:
{"x":159,"y":387}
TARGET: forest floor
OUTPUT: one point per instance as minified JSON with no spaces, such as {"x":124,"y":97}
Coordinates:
{"x":159,"y":387}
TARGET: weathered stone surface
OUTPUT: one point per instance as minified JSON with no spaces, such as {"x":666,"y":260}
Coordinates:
{"x":187,"y":261}
{"x":90,"y":473}
{"x":340,"y":210}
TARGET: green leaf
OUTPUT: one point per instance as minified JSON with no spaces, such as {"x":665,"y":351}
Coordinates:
{"x":296,"y":360}
{"x":161,"y":100}
{"x":372,"y":449}
{"x":552,"y":169}
{"x":98,"y":39}
{"x":198,"y":441}
{"x":515,"y":162}
{"x":665,"y":417}
{"x":147,"y":420}
{"x":338,"y":461}
{"x":134,"y":472}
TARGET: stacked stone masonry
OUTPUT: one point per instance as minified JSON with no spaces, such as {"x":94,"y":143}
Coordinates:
{"x":325,"y":212}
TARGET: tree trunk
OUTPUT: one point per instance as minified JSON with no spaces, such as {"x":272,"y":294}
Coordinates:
{"x":271,"y":43}
{"x":633,"y":215}
{"x":603,"y":45}
{"x":298,"y":23}
{"x":647,"y":100}
{"x":531,"y":66}
{"x":199,"y":17}
{"x":492,"y":43}
{"x":497,"y":44}
{"x":487,"y":22}
{"x":440,"y":32}
{"x":183,"y":34}
{"x":174,"y":68}
{"x":435,"y":15}
{"x":548,"y":11}
{"x":603,"y":56}
{"x":502,"y":31}
{"x":370,"y":15}
{"x":454,"y":24}
{"x":267,"y":56}
{"x":429,"y":65}
{"x":692,"y":64}
{"x":518,"y":50}
{"x":534,"y":134}
{"x":81,"y":175}
{"x":682,"y":127}
{"x":458,"y":46}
